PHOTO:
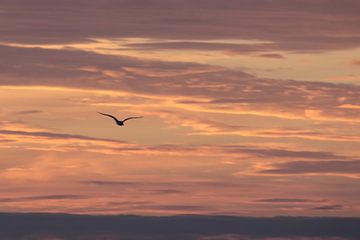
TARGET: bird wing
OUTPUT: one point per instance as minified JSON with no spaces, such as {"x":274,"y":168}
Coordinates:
{"x":130,"y":118}
{"x":116,"y":120}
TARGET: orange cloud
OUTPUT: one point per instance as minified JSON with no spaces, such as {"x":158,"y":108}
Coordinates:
{"x":189,"y":86}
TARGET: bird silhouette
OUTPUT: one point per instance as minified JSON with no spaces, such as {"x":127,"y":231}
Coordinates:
{"x":118,"y":122}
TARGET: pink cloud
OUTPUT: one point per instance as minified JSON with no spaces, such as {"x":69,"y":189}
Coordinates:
{"x":356,"y":62}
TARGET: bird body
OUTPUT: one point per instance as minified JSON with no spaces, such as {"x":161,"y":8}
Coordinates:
{"x":118,"y":122}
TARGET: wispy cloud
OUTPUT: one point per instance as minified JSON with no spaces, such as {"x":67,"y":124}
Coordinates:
{"x":42,"y":198}
{"x":329,"y":207}
{"x":272,"y":55}
{"x":290,"y":200}
{"x":55,"y":135}
{"x":350,"y":168}
{"x":28,"y":112}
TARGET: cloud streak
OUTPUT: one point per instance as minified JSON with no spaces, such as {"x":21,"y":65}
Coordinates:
{"x":329,"y":207}
{"x":42,"y":198}
{"x":51,"y":135}
{"x":315,"y":167}
{"x":289,"y":200}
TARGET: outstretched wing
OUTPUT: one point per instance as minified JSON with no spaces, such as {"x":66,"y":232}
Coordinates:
{"x":130,"y":118}
{"x":116,"y":120}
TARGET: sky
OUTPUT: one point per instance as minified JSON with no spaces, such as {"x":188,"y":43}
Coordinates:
{"x":251,"y":107}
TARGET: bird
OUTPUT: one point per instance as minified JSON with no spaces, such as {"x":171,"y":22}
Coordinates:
{"x":119,"y":122}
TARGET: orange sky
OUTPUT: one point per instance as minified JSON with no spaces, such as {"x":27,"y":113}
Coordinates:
{"x":250,"y":107}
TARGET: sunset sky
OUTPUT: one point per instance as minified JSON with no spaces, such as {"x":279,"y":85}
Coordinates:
{"x":251,"y":107}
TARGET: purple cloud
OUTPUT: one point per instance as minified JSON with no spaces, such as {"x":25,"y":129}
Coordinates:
{"x":42,"y":197}
{"x":299,"y":26}
{"x":272,"y":55}
{"x":329,"y":207}
{"x":289,"y":200}
{"x":28,"y":112}
{"x":301,"y":167}
{"x":55,"y":135}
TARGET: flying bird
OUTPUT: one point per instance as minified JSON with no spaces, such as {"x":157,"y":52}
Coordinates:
{"x":118,"y":122}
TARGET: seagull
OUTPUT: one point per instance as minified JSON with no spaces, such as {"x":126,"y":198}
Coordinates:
{"x":118,"y":122}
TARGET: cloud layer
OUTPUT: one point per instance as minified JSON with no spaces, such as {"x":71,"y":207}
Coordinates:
{"x":202,"y":87}
{"x":296,"y":26}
